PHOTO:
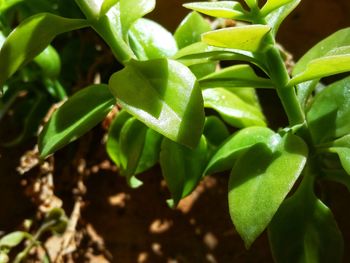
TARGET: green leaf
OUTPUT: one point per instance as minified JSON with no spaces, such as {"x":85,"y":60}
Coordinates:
{"x":248,"y":38}
{"x":202,"y":69}
{"x":271,"y":5}
{"x":182,"y":167}
{"x":30,"y":38}
{"x":235,"y":76}
{"x":13,"y":239}
{"x":341,"y":147}
{"x":304,"y":230}
{"x":335,"y":41}
{"x":328,"y":116}
{"x":149,"y":40}
{"x":235,"y":145}
{"x":132,"y":10}
{"x":335,"y":61}
{"x":260,"y":180}
{"x":215,"y":131}
{"x":79,"y":114}
{"x":232,"y":108}
{"x":191,"y":29}
{"x":49,"y":61}
{"x":252,"y":3}
{"x":222,"y":9}
{"x":107,"y":5}
{"x":113,"y":140}
{"x":275,"y":18}
{"x":164,"y":95}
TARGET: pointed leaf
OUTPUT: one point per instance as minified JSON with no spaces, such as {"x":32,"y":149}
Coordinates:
{"x":276,"y":17}
{"x":329,"y":113}
{"x":107,"y":4}
{"x":79,"y":114}
{"x":335,"y":41}
{"x":222,"y":9}
{"x":164,"y":95}
{"x":344,"y":157}
{"x":271,"y":5}
{"x":248,"y":38}
{"x":182,"y":167}
{"x":304,"y":230}
{"x":235,"y":76}
{"x":30,"y":38}
{"x":132,"y":10}
{"x":334,"y":62}
{"x":235,"y":145}
{"x":191,"y":29}
{"x":260,"y":180}
{"x":232,"y":108}
{"x":150,"y":40}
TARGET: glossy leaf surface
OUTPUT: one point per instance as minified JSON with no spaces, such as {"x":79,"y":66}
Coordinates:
{"x":235,"y":145}
{"x":276,"y":17}
{"x":335,"y":41}
{"x":329,"y":113}
{"x":191,"y":29}
{"x":164,"y":95}
{"x":271,"y":5}
{"x":260,"y":180}
{"x":132,"y":10}
{"x":341,"y":147}
{"x":304,"y":230}
{"x":234,"y":76}
{"x":30,"y":38}
{"x":334,"y":62}
{"x":106,"y":5}
{"x":248,"y":38}
{"x":182,"y":167}
{"x":222,"y":9}
{"x":80,"y":113}
{"x":150,"y":40}
{"x":232,"y":108}
{"x":49,"y":62}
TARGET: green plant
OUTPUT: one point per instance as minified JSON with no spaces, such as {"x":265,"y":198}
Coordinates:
{"x":166,"y":83}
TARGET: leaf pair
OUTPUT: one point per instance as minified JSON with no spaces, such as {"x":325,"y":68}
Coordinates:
{"x":265,"y":167}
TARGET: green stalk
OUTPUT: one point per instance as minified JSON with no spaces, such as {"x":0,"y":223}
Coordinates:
{"x":108,"y":28}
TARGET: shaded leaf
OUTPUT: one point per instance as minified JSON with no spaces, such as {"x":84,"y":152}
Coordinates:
{"x":260,"y":180}
{"x":304,"y":230}
{"x":182,"y":167}
{"x":150,"y":40}
{"x":191,"y":29}
{"x":248,"y":38}
{"x":235,"y":145}
{"x":330,"y":111}
{"x":13,"y":239}
{"x":30,"y":38}
{"x":235,"y":76}
{"x":232,"y":108}
{"x":80,"y":113}
{"x":164,"y":95}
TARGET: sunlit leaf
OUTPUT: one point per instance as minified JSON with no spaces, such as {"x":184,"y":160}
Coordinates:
{"x":260,"y":180}
{"x":164,"y":95}
{"x":232,"y":108}
{"x":80,"y":113}
{"x":13,"y":239}
{"x":276,"y":17}
{"x":150,"y":40}
{"x":182,"y":167}
{"x":271,"y":5}
{"x":304,"y":230}
{"x":30,"y":38}
{"x":248,"y":38}
{"x":222,"y":9}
